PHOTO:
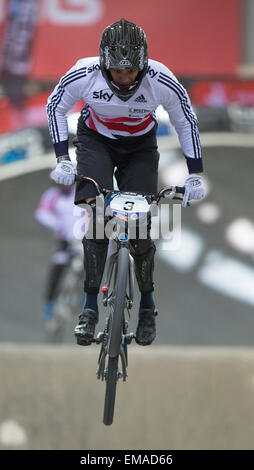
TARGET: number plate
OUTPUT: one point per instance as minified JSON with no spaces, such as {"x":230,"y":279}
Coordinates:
{"x":129,"y":204}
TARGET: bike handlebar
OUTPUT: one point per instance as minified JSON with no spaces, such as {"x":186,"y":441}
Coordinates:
{"x":168,"y":192}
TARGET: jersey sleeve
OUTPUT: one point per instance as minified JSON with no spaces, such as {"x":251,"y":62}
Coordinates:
{"x":61,"y":100}
{"x":175,"y":100}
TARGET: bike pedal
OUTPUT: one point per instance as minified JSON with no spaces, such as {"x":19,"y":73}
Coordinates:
{"x":128,"y":338}
{"x":100,"y":338}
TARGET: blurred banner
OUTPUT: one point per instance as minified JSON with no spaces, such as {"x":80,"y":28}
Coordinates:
{"x":32,"y":113}
{"x":21,"y":19}
{"x":192,"y":37}
{"x":218,"y":93}
{"x":41,"y":39}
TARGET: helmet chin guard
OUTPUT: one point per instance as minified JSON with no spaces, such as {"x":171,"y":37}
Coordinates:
{"x":123,"y":45}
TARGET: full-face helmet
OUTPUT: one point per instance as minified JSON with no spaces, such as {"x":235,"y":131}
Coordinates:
{"x":123,"y":45}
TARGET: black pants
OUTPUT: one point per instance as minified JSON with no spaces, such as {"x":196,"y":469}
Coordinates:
{"x":135,"y":162}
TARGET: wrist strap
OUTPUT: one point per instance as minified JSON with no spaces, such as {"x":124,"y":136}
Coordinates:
{"x":63,"y":158}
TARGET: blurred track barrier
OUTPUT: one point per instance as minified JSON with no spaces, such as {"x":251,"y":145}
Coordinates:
{"x":174,"y":398}
{"x":211,"y":139}
{"x":46,"y":159}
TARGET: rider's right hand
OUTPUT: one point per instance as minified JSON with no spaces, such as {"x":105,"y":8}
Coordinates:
{"x":64,"y":173}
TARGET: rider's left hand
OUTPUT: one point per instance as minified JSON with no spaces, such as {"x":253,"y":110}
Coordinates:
{"x":194,"y":188}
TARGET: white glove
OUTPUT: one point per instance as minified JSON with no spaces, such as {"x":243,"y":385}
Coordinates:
{"x":194,"y":188}
{"x":64,"y":173}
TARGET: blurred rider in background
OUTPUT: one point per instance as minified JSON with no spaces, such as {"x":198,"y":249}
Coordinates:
{"x":56,"y":211}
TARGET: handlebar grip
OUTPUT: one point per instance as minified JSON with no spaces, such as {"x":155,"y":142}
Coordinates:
{"x":78,"y":178}
{"x":180,"y":189}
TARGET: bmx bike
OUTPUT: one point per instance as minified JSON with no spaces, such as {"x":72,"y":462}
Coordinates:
{"x":127,"y":210}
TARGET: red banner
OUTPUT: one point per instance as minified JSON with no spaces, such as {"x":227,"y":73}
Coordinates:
{"x":221,"y":93}
{"x":191,"y":37}
{"x":32,"y":113}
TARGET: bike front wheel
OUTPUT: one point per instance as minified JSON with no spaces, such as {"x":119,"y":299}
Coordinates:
{"x":115,"y":333}
{"x":120,"y":300}
{"x":111,"y":381}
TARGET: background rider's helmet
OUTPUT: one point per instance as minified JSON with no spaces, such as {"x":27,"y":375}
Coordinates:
{"x":123,"y":45}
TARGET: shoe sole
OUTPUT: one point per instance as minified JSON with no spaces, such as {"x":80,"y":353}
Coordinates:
{"x":83,"y":341}
{"x":140,"y":343}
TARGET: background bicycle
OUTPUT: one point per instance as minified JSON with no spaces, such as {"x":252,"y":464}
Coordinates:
{"x":69,"y":296}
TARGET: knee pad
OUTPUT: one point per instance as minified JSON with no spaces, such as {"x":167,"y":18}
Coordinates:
{"x":96,"y":226}
{"x":95,"y":254}
{"x":143,"y":252}
{"x":95,"y":245}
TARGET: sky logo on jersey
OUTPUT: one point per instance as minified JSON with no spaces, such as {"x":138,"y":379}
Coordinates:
{"x":151,"y":72}
{"x":100,"y":95}
{"x":140,"y":99}
{"x":93,"y":67}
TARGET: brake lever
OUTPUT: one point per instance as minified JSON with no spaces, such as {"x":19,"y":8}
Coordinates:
{"x":172,"y":195}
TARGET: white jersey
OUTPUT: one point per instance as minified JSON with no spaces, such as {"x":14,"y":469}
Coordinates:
{"x":107,"y":114}
{"x":57,"y":212}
